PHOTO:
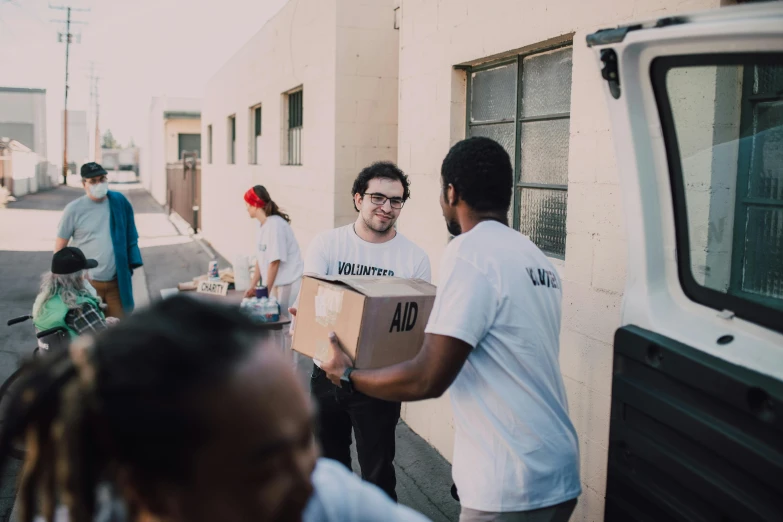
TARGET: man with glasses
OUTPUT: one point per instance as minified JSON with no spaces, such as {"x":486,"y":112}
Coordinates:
{"x":370,"y":246}
{"x":102,"y":225}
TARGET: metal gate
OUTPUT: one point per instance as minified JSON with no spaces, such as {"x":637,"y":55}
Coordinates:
{"x":184,"y":188}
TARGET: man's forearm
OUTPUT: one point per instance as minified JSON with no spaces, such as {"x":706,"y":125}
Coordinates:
{"x":426,"y":376}
{"x":256,"y":276}
{"x":271,"y":274}
{"x":401,"y":382}
{"x":60,"y":243}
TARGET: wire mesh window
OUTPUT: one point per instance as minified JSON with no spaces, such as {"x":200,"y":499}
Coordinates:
{"x":295,"y":124}
{"x":524,"y":104}
{"x":209,"y":143}
{"x":758,"y":268}
{"x":255,"y":134}
{"x":231,"y":155}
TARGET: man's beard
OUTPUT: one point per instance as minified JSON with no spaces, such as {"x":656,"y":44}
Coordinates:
{"x":375,"y":228}
{"x":453,"y":227}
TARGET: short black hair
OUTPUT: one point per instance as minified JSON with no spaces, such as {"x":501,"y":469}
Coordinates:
{"x":384,"y":170}
{"x":480,"y":170}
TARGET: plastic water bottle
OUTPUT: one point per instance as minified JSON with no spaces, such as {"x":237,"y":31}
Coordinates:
{"x":273,"y":310}
{"x":258,"y":309}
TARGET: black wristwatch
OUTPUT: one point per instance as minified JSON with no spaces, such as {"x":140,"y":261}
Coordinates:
{"x":345,"y":380}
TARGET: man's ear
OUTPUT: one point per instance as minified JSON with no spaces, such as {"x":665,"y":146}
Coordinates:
{"x":452,"y":198}
{"x":357,"y":201}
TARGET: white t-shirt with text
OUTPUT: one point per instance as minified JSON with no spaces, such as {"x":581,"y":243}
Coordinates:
{"x":515,"y":446}
{"x":275,"y":241}
{"x":341,"y":252}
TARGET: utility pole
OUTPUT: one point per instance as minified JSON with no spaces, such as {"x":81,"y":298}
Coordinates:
{"x":98,"y":156}
{"x":68,"y":39}
{"x":95,"y":102}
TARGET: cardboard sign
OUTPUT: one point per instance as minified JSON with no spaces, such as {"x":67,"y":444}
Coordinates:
{"x":213,"y":287}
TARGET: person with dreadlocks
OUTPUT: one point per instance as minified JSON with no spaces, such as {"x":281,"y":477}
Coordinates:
{"x":67,"y":299}
{"x":188,"y":413}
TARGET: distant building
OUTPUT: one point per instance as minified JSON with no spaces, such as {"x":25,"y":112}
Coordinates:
{"x":23,"y":117}
{"x":174,"y":128}
{"x":22,"y":171}
{"x":23,"y":144}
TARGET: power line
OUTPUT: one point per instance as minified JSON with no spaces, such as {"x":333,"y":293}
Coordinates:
{"x":68,"y":39}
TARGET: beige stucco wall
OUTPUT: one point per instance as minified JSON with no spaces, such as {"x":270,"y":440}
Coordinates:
{"x":295,"y":48}
{"x":435,"y":36}
{"x":344,"y":54}
{"x":172,"y":129}
{"x":366,"y":94}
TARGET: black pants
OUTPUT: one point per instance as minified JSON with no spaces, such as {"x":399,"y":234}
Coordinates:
{"x":373,"y":421}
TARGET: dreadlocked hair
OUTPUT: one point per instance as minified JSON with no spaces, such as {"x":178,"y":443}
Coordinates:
{"x":121,"y":408}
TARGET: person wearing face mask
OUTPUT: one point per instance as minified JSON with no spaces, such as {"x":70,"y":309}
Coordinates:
{"x":102,"y":225}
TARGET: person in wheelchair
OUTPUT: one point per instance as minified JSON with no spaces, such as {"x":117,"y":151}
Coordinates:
{"x":67,"y":300}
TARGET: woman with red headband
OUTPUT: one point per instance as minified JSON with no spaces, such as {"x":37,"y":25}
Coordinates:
{"x":278,"y":259}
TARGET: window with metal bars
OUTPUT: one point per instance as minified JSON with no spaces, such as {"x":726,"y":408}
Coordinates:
{"x":255,"y":134}
{"x":757,"y":265}
{"x":524,"y":103}
{"x":231,"y":154}
{"x":295,"y":124}
{"x":209,"y":144}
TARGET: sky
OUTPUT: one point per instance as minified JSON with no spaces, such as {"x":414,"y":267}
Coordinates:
{"x":139,"y":48}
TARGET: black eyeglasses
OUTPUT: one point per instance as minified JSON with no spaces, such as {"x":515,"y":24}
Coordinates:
{"x":380,"y":200}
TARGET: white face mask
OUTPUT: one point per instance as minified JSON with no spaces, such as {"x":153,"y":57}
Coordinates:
{"x":99,"y":190}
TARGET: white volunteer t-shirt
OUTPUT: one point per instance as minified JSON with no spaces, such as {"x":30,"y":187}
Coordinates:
{"x":341,"y":252}
{"x":275,"y":241}
{"x":515,"y":447}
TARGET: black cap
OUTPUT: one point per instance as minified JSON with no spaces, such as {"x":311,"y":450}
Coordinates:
{"x":92,"y":169}
{"x":70,"y":260}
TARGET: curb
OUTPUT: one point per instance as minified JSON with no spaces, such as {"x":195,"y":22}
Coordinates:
{"x":184,"y":229}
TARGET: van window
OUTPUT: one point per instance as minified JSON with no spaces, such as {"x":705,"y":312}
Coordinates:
{"x":722,"y":118}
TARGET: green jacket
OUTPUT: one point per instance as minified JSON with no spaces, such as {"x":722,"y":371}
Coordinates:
{"x":53,"y":312}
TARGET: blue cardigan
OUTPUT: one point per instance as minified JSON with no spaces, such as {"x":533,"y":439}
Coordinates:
{"x":125,"y":240}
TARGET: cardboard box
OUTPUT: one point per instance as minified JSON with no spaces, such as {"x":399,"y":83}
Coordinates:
{"x":379,"y":320}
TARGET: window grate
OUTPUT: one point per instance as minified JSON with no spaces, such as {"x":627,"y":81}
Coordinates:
{"x":295,"y":125}
{"x":524,"y":105}
{"x":209,"y":144}
{"x":232,"y":140}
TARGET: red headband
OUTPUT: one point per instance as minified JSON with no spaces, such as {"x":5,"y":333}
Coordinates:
{"x":252,"y":199}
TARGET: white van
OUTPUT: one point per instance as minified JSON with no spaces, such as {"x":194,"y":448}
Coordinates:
{"x":697,"y":397}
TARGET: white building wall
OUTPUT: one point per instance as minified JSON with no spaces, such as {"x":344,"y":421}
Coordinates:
{"x":435,"y":36}
{"x":344,"y":55}
{"x":366,"y":94}
{"x":26,"y":106}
